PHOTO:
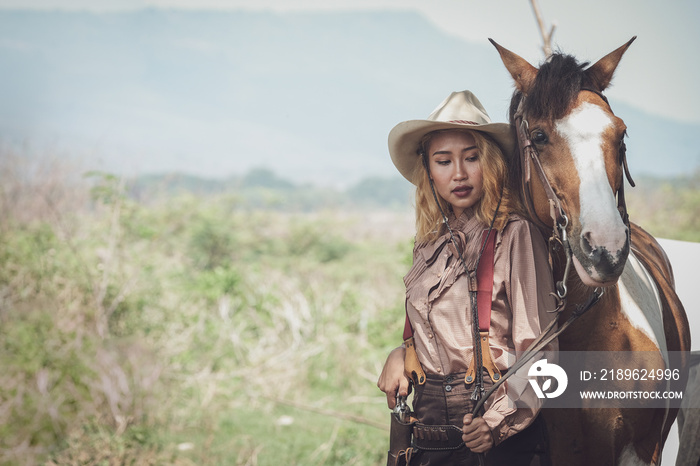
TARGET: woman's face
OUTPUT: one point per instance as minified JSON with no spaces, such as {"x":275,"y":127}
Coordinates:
{"x":456,"y":169}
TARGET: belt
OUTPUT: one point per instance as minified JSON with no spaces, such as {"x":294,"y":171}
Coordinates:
{"x":436,"y":437}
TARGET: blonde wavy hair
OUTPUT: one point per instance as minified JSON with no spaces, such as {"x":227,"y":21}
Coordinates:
{"x":429,"y":224}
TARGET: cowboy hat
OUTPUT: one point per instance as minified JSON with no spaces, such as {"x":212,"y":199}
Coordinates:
{"x":460,"y":110}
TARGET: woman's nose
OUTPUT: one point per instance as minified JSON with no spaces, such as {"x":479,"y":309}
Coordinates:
{"x":460,"y":172}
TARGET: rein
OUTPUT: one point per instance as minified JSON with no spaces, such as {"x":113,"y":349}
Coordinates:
{"x":545,"y":338}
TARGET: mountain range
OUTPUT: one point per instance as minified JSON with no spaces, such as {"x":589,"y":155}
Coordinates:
{"x":309,"y":96}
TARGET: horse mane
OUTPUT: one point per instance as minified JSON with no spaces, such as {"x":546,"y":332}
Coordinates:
{"x":558,"y":82}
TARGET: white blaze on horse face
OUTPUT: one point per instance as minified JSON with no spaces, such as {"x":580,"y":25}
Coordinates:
{"x":599,"y":218}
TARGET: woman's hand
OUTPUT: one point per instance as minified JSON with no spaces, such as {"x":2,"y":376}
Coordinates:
{"x":476,"y":434}
{"x":393,"y":380}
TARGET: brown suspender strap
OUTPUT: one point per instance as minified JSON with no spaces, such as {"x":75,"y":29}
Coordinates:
{"x":484,"y":296}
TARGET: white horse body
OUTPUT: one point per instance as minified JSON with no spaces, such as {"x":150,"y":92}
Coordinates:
{"x":641,"y":303}
{"x":685,"y":257}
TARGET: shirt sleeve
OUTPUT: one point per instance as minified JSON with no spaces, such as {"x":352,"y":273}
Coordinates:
{"x":528,"y":284}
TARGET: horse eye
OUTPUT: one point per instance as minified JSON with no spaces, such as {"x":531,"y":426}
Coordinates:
{"x":539,"y":137}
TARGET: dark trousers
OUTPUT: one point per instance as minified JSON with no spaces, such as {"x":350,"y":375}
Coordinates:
{"x":445,"y":401}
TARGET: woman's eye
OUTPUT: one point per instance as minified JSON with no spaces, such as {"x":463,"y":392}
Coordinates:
{"x":539,"y":137}
{"x":443,"y":162}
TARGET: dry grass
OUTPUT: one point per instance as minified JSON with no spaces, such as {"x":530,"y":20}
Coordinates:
{"x":121,"y":345}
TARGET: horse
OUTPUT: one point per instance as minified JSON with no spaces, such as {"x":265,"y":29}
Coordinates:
{"x":569,"y":137}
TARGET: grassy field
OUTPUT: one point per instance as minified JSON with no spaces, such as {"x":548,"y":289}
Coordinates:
{"x":193,"y":330}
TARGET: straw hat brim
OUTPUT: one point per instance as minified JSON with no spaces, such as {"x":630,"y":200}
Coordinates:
{"x":405,"y":138}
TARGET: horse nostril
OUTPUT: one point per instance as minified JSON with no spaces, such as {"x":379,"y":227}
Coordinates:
{"x":586,"y":243}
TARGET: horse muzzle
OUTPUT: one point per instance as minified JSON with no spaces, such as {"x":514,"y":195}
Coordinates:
{"x":599,"y":262}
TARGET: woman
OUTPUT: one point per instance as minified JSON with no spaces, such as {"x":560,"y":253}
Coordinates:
{"x":456,"y":160}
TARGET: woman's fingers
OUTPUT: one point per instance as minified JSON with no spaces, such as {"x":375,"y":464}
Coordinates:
{"x":476,"y":434}
{"x":392,"y":379}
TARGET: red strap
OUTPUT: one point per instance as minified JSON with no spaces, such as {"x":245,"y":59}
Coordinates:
{"x":484,"y":289}
{"x":407,"y":329}
{"x":484,"y":281}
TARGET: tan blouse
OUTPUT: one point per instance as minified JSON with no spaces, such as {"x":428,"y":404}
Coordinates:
{"x":437,"y":302}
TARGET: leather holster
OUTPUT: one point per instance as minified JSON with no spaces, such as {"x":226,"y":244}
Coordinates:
{"x":400,"y":451}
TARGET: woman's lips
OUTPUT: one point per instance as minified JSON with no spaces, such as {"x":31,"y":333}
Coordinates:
{"x":462,"y":191}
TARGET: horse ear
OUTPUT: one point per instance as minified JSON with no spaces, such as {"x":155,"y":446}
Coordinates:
{"x":522,"y":72}
{"x":602,"y":72}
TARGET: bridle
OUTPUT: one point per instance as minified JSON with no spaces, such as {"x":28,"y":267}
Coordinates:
{"x":528,"y":153}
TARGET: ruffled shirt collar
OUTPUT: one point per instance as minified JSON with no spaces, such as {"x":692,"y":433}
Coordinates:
{"x":467,"y":232}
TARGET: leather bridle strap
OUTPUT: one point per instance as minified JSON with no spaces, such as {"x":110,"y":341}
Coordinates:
{"x":528,"y":152}
{"x":621,"y":203}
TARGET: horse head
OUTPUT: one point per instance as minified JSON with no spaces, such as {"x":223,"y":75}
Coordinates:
{"x":577,"y":144}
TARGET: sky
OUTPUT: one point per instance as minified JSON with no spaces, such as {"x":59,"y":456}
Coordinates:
{"x":657,"y":73}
